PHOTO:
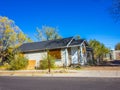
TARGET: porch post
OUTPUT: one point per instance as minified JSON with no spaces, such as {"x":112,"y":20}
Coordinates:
{"x":82,"y":59}
{"x":66,"y":57}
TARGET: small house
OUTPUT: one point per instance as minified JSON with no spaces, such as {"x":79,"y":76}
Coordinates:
{"x":67,"y":51}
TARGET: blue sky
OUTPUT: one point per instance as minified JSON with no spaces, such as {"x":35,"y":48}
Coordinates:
{"x":88,"y":18}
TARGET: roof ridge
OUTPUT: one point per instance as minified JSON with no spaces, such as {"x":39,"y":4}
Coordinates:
{"x":46,"y":40}
{"x":50,"y":44}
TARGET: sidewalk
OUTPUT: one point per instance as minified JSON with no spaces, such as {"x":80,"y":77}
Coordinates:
{"x":68,"y":73}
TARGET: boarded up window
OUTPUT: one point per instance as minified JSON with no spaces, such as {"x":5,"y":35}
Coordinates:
{"x":31,"y":64}
{"x":55,"y":53}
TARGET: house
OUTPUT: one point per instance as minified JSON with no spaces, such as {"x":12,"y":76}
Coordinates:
{"x":67,"y":51}
{"x":116,"y":54}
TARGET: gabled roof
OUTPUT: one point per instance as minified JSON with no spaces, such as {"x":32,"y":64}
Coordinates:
{"x":50,"y":44}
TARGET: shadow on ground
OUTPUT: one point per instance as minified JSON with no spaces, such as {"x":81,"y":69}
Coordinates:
{"x":110,"y":63}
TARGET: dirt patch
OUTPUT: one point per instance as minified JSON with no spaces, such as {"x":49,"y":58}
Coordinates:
{"x":101,"y":68}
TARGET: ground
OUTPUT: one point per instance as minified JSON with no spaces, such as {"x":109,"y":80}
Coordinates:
{"x":106,"y":65}
{"x":100,"y":68}
{"x":53,"y":83}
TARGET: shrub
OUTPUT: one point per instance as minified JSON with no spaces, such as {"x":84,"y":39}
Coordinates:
{"x":91,"y":62}
{"x":19,"y":62}
{"x":4,"y":66}
{"x":44,"y":62}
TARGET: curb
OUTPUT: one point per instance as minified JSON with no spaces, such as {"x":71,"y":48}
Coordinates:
{"x":83,"y":73}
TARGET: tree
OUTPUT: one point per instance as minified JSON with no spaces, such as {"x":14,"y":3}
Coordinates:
{"x":99,"y":49}
{"x":11,"y":37}
{"x":47,"y":33}
{"x":47,"y":62}
{"x":19,"y":62}
{"x":78,"y":37}
{"x":115,"y":10}
{"x":117,"y":46}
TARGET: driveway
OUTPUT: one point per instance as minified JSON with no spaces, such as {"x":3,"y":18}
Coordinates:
{"x":58,"y":83}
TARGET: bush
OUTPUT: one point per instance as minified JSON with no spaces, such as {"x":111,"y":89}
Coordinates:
{"x":91,"y":62}
{"x":44,"y":62}
{"x":19,"y":62}
{"x":4,"y":66}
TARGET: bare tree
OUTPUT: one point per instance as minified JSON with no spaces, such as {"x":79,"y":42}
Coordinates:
{"x":47,"y":33}
{"x":117,"y":46}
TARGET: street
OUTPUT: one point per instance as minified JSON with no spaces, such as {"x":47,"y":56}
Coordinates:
{"x":58,"y":83}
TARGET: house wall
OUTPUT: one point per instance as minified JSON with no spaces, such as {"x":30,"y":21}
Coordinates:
{"x":64,"y":57}
{"x":79,"y":55}
{"x":116,"y":55}
{"x":74,"y":55}
{"x":60,"y":59}
{"x":83,"y":60}
{"x":57,"y":54}
{"x":36,"y":56}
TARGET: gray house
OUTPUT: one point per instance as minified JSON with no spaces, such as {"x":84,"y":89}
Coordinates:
{"x":67,"y":51}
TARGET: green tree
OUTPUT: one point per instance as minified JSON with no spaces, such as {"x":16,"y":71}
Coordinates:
{"x":18,"y":62}
{"x":78,"y":37}
{"x":99,"y":49}
{"x":11,"y":37}
{"x":117,"y":46}
{"x":47,"y":33}
{"x":47,"y":62}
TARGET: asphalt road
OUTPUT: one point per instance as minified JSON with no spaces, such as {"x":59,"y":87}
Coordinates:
{"x":55,"y":83}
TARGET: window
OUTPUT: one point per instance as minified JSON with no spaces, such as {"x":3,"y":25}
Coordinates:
{"x":55,"y":53}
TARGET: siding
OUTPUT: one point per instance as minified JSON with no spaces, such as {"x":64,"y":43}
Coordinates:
{"x":36,"y":56}
{"x":116,"y":55}
{"x":74,"y":53}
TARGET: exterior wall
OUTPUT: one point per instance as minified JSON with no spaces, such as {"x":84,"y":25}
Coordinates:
{"x":35,"y":56}
{"x":79,"y":55}
{"x":107,"y":57}
{"x":116,"y":55}
{"x":74,"y":53}
{"x":60,"y":62}
{"x":83,"y":54}
{"x":64,"y":57}
{"x":57,"y":54}
{"x":40,"y":55}
{"x":69,"y":56}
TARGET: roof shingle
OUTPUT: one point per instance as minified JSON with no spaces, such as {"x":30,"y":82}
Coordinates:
{"x":50,"y":44}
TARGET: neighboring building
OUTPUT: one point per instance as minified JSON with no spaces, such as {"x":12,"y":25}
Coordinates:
{"x":67,"y":51}
{"x":116,"y":54}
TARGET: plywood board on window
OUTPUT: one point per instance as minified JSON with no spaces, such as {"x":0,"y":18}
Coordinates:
{"x":55,"y":53}
{"x":31,"y":64}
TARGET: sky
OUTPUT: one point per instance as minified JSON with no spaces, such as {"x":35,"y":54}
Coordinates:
{"x":91,"y":19}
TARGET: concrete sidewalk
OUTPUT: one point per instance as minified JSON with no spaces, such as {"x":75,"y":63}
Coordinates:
{"x":68,"y":73}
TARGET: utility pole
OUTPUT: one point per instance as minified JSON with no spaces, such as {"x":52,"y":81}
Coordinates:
{"x":49,"y":69}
